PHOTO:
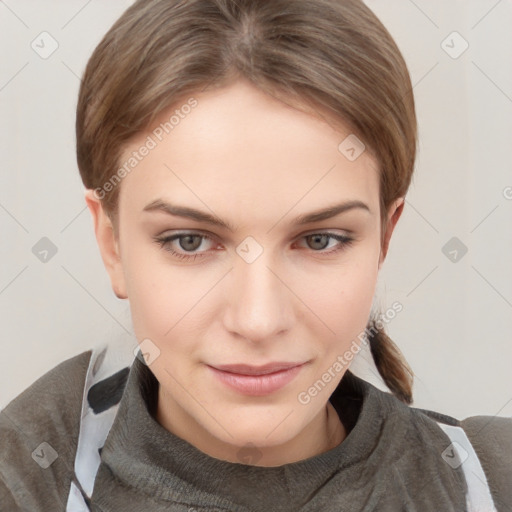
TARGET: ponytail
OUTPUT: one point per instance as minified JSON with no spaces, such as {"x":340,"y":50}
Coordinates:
{"x":391,"y":364}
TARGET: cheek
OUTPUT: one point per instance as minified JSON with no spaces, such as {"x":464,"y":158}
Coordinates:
{"x":341,"y":296}
{"x":160,"y":293}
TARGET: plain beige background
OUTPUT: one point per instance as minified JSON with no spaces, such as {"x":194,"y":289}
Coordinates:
{"x":456,"y":321}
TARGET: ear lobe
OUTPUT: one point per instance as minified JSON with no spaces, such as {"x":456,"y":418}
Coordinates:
{"x":394,"y":214}
{"x":108,"y":243}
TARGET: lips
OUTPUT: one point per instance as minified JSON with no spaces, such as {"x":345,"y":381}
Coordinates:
{"x":244,"y":369}
{"x":262,"y":381}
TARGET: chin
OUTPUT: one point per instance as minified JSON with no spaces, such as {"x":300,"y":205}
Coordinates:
{"x":258,"y":434}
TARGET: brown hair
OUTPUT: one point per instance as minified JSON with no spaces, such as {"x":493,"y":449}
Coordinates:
{"x":333,"y":55}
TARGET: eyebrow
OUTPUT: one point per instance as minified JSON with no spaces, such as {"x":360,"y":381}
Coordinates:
{"x":160,"y":205}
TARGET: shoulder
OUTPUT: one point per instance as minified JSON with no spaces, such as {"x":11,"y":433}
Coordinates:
{"x":39,"y":433}
{"x":491,"y":438}
{"x":490,"y":435}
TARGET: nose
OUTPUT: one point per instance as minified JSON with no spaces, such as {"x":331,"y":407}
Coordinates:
{"x":259,"y":303}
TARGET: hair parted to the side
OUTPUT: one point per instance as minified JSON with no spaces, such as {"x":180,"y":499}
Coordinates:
{"x":332,"y":56}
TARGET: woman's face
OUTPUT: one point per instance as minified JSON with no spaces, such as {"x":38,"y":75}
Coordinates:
{"x":258,"y":288}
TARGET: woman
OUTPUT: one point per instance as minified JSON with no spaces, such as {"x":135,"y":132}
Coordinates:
{"x":245,"y":165}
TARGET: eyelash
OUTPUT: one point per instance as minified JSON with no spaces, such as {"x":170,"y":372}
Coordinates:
{"x":345,"y":241}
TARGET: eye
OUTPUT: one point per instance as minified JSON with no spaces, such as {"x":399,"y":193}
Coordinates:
{"x":187,"y":241}
{"x":190,"y":242}
{"x":319,"y":240}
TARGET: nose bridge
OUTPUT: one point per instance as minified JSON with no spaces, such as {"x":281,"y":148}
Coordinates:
{"x":259,"y":303}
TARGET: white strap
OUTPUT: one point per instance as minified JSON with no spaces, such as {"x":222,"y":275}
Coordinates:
{"x":76,"y":501}
{"x":106,"y":359}
{"x":461,"y":453}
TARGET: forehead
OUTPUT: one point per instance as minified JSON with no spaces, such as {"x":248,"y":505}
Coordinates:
{"x":238,"y":146}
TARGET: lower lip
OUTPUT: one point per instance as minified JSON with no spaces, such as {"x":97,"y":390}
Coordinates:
{"x":257,"y":385}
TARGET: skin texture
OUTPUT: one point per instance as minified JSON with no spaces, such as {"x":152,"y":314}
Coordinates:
{"x":256,"y":163}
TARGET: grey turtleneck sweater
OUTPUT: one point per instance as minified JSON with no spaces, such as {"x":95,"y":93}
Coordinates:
{"x":391,"y":459}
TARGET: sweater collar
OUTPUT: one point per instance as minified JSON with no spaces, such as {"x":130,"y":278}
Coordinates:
{"x":143,"y":454}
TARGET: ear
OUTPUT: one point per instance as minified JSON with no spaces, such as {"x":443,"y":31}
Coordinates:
{"x":108,"y":243}
{"x":393,"y":215}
